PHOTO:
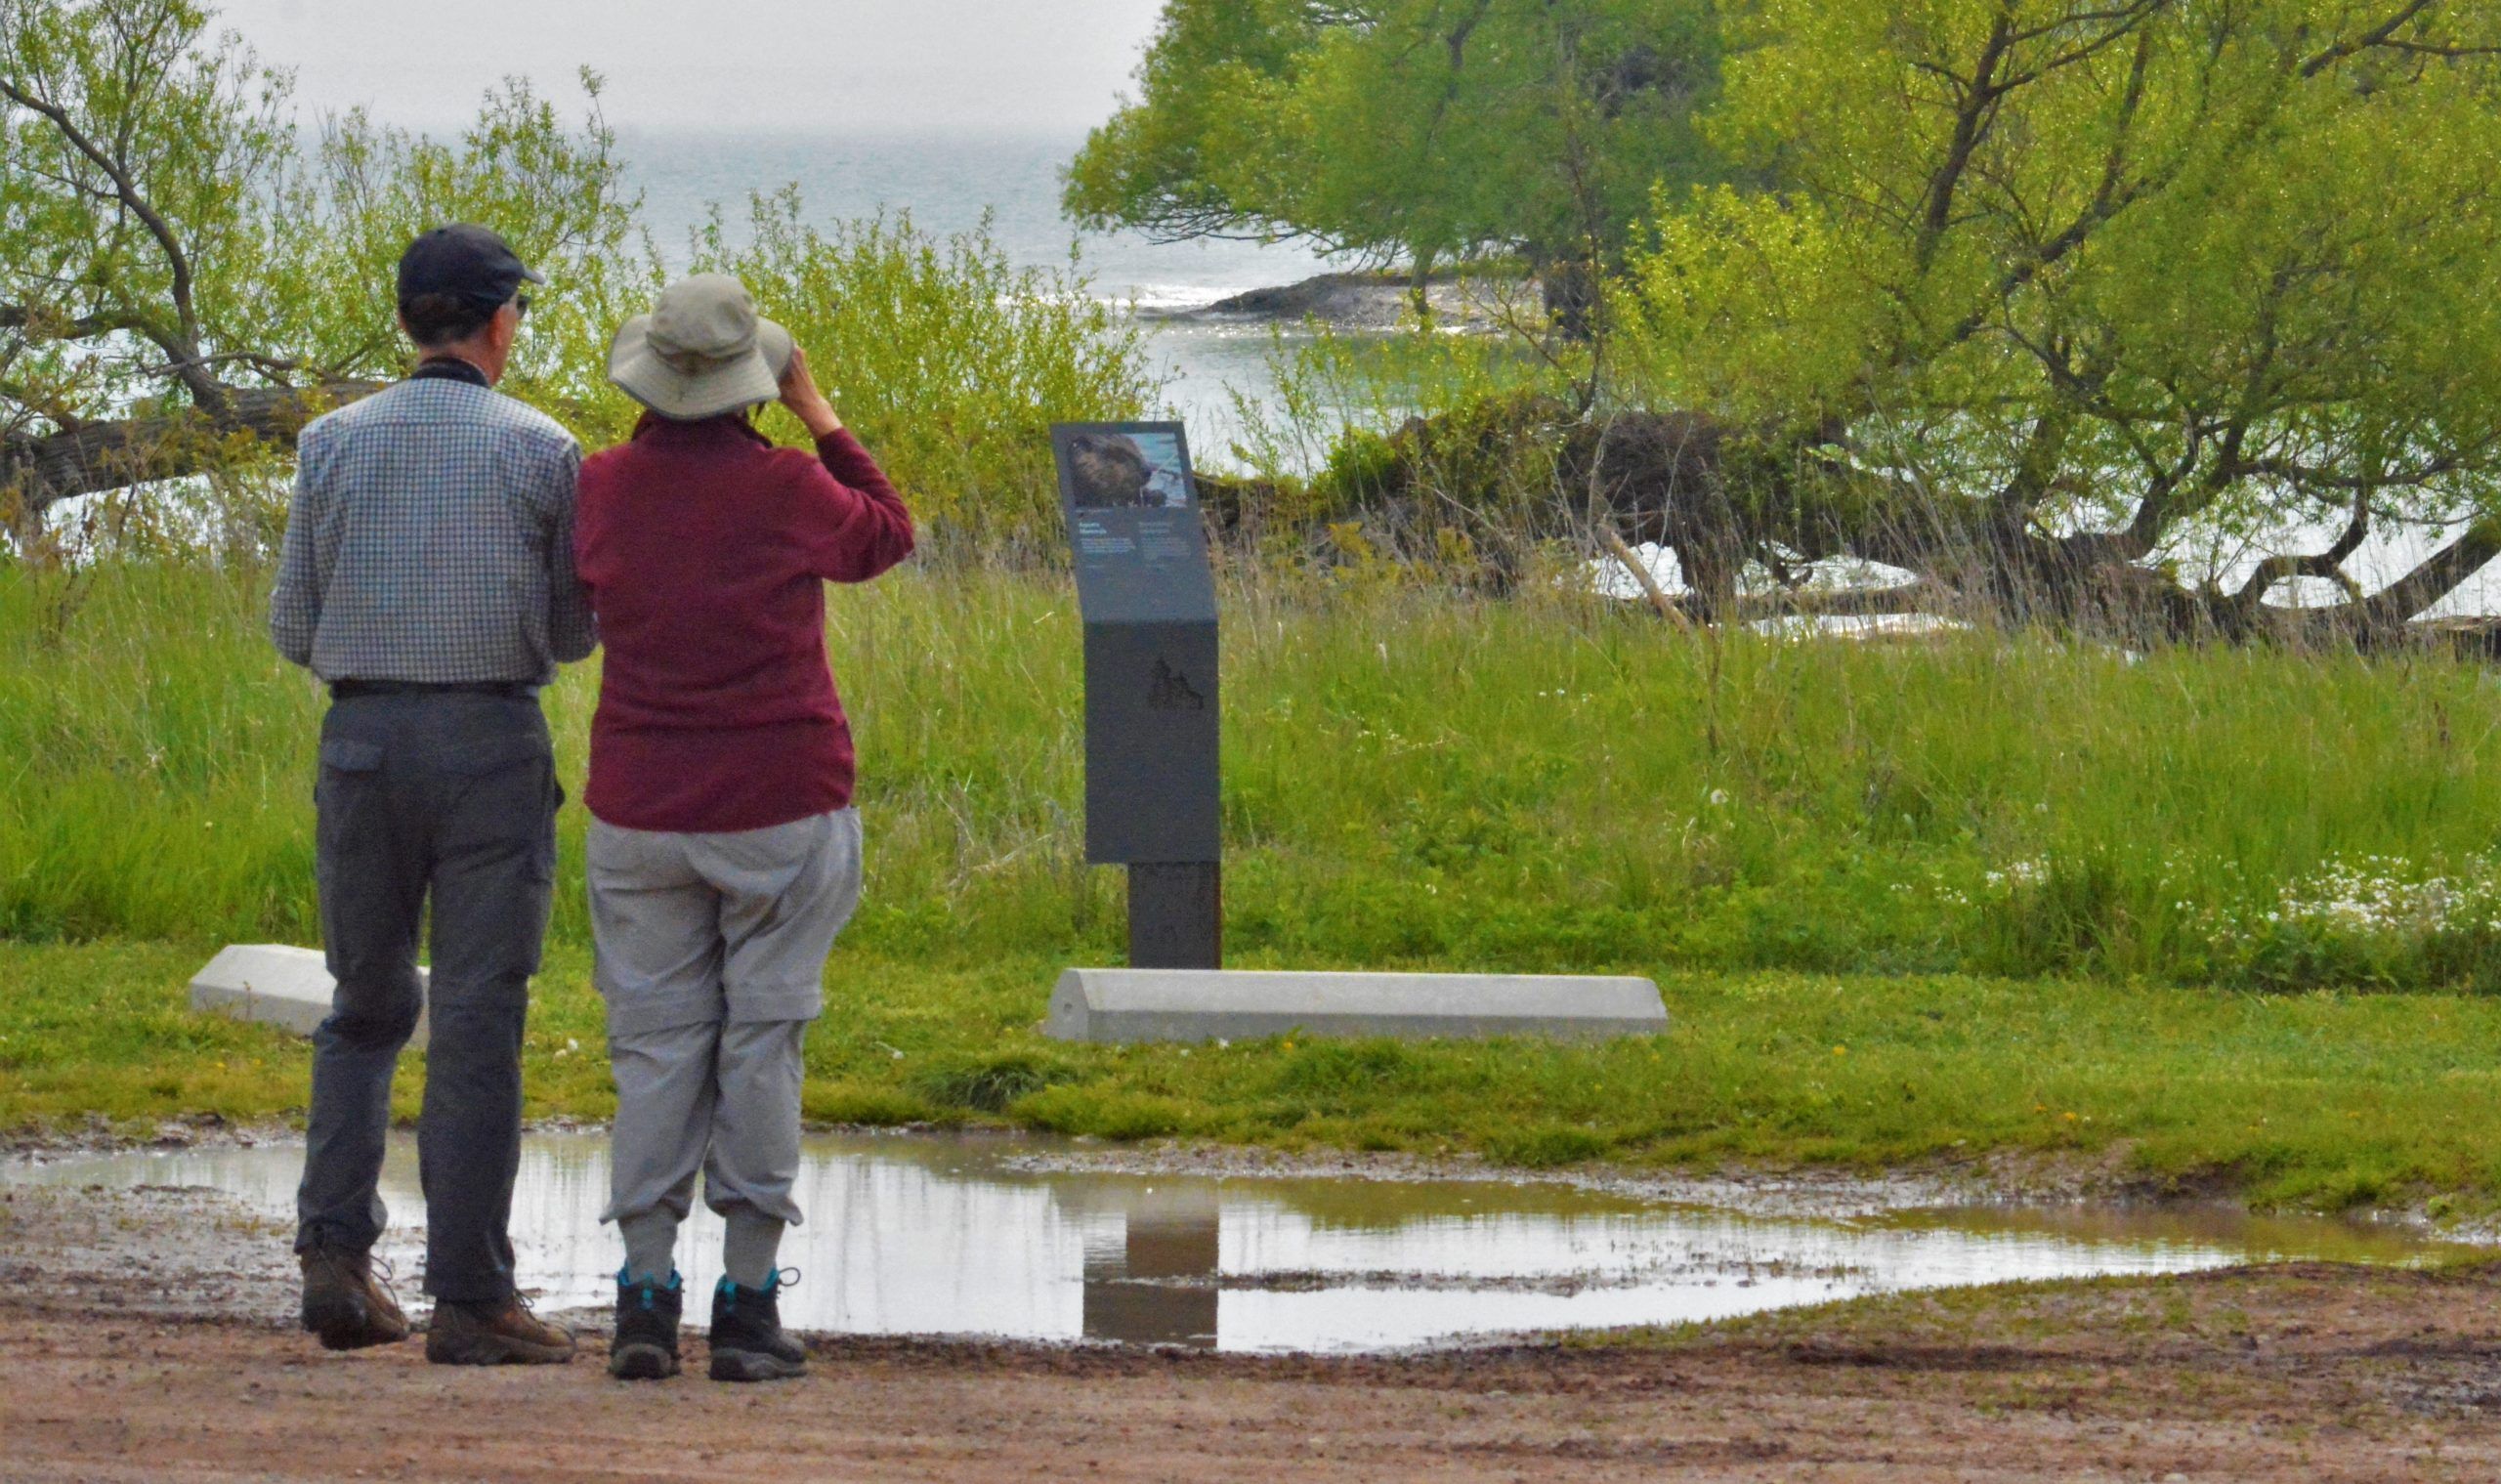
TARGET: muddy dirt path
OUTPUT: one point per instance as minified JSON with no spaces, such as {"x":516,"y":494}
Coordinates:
{"x":139,"y":1342}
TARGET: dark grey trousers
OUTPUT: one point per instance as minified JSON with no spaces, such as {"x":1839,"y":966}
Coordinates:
{"x":449,"y":797}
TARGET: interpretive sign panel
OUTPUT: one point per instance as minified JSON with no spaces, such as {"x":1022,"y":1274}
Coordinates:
{"x":1133,"y":520}
{"x":1152,"y":767}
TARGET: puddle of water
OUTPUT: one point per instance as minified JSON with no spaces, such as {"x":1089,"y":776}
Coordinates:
{"x":940,"y":1235}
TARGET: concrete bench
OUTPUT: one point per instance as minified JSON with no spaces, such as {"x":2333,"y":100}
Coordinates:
{"x":273,"y":983}
{"x":1121,"y":1005}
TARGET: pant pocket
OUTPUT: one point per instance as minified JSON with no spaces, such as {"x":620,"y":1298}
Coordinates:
{"x":344,"y":790}
{"x":507,"y":787}
{"x":494,"y":857}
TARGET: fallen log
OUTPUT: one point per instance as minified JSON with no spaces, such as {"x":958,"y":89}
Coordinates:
{"x":94,"y":457}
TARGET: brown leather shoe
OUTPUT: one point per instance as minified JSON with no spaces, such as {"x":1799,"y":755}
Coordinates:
{"x":345,"y":1305}
{"x":502,"y":1333}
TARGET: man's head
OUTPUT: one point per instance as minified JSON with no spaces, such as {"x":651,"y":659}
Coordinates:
{"x":460,"y":295}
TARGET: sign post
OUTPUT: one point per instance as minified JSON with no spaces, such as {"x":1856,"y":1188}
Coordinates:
{"x":1153,"y":795}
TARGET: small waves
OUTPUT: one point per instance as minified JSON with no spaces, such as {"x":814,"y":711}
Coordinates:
{"x":1168,"y":298}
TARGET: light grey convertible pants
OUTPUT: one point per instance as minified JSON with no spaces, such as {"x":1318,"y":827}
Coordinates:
{"x":711,"y":953}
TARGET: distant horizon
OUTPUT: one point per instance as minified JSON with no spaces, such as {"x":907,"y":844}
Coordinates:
{"x":1068,"y":135}
{"x":312,"y":111}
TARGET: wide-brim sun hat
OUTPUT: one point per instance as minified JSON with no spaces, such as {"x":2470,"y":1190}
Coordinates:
{"x":703,"y":351}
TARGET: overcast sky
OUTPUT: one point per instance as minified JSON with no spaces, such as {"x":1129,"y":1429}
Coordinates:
{"x":1044,"y":66}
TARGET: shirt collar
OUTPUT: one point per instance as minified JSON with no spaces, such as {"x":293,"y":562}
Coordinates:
{"x":678,"y":429}
{"x":449,"y":368}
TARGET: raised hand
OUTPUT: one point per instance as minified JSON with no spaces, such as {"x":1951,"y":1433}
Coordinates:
{"x":805,"y":399}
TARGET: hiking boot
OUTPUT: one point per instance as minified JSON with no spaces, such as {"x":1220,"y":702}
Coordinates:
{"x":502,"y":1333}
{"x":644,"y":1347}
{"x":345,"y":1305}
{"x":748,"y":1341}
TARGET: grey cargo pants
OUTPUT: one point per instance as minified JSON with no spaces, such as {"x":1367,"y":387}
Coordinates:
{"x":711,"y":959}
{"x":446,"y":797}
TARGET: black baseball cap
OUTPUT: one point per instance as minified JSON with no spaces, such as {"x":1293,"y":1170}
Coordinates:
{"x":466,"y":260}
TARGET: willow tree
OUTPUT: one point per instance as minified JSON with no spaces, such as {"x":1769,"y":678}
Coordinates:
{"x":2055,"y":284}
{"x":1410,"y":130}
{"x":186,"y":276}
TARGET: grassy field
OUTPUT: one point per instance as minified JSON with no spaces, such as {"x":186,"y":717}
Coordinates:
{"x":1417,"y":778}
{"x":2229,"y":912}
{"x":2317,"y":1100}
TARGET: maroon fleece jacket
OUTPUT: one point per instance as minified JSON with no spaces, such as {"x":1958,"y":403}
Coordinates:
{"x":706,"y":550}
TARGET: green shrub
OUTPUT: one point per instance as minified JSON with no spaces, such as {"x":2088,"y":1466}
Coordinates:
{"x":949,"y":361}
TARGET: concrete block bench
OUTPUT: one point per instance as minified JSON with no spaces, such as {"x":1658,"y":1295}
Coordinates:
{"x":275,"y":985}
{"x":1122,"y":1005}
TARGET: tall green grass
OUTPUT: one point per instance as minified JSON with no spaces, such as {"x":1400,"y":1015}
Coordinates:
{"x":1551,"y":783}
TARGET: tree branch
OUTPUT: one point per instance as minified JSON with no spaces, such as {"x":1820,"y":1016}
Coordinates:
{"x":2155,"y":513}
{"x":1970,"y":126}
{"x":99,"y":456}
{"x":204,"y":388}
{"x":2422,"y":48}
{"x":2435,"y":578}
{"x":2328,"y":564}
{"x":2125,"y":20}
{"x":2377,"y":36}
{"x":38,"y":324}
{"x":1630,"y":561}
{"x":2305,"y":477}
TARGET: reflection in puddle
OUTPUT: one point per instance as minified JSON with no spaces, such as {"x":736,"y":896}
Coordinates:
{"x":931,"y":1235}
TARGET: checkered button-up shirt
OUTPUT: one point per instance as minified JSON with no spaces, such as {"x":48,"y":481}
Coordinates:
{"x":430,"y":539}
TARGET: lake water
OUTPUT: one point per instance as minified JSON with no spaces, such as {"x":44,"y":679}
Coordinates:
{"x":989,"y":1235}
{"x":949,"y":182}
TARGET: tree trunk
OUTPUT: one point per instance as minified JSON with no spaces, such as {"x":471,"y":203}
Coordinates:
{"x":1723,"y":499}
{"x":1570,"y":291}
{"x":98,"y":457}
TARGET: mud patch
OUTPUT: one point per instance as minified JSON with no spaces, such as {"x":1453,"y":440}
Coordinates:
{"x":2296,"y":1371}
{"x":178,"y":1250}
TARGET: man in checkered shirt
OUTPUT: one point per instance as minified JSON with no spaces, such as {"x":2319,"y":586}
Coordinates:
{"x":428,"y":577}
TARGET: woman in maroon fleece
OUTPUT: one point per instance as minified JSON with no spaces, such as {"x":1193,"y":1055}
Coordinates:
{"x":724,"y":854}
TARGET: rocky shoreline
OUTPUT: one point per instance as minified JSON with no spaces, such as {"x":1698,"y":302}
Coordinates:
{"x":1367,"y":300}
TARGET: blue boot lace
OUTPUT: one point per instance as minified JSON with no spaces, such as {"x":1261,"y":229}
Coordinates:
{"x":774,"y":1283}
{"x":648,"y":1289}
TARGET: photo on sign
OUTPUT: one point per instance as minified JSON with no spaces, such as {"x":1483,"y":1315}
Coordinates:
{"x":1127,"y":471}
